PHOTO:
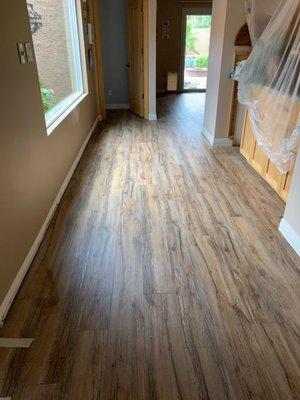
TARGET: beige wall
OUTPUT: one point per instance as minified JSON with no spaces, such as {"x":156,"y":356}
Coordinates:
{"x":169,"y":51}
{"x":32,"y":164}
{"x":227,"y":18}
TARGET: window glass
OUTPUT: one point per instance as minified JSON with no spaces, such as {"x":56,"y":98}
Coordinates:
{"x":55,"y":33}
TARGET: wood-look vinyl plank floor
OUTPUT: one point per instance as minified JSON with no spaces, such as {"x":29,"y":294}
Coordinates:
{"x":162,"y":276}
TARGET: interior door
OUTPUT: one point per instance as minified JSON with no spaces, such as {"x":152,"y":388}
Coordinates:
{"x":136,"y":57}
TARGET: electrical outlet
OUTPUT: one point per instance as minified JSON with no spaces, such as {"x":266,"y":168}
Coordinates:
{"x":110,"y":92}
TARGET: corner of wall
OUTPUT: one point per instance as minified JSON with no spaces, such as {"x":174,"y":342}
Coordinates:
{"x":290,"y":235}
{"x":216,"y":142}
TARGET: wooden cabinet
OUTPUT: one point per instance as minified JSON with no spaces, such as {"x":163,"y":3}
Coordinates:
{"x":260,"y":162}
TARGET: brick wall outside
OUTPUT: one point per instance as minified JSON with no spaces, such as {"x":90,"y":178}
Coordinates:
{"x":52,"y":47}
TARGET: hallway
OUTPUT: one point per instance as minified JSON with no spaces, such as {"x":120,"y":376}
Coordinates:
{"x":162,"y":276}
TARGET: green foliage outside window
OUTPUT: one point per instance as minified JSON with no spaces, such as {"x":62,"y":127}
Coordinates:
{"x":191,"y":39}
{"x":200,"y":21}
{"x":202,"y":61}
{"x":195,"y":21}
{"x":47,"y":97}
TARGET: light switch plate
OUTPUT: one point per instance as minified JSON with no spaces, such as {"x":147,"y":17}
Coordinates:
{"x":28,"y":50}
{"x":22,"y":53}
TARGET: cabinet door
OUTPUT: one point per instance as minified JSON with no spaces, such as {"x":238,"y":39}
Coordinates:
{"x":247,"y":142}
{"x":285,"y":184}
{"x":259,"y":160}
{"x":273,"y":176}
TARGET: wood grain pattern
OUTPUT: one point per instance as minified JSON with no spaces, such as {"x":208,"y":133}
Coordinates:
{"x":162,"y":276}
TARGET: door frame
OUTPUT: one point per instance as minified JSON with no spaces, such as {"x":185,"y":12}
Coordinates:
{"x":199,"y":10}
{"x":146,"y":56}
{"x":99,"y":73}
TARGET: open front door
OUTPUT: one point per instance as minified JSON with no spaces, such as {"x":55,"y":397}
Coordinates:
{"x":136,"y":56}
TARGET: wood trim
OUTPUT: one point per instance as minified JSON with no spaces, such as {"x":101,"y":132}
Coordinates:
{"x":243,"y":37}
{"x":238,"y":56}
{"x":99,"y":60}
{"x":146,"y":56}
{"x":136,"y":43}
{"x":182,"y":51}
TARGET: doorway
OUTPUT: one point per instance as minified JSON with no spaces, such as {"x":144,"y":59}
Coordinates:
{"x":195,"y":50}
{"x":122,"y":52}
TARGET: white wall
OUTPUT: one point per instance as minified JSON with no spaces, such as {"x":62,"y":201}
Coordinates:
{"x":228,"y":16}
{"x":290,"y":225}
{"x":217,"y":34}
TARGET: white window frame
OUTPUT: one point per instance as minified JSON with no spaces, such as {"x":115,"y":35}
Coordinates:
{"x":60,"y":111}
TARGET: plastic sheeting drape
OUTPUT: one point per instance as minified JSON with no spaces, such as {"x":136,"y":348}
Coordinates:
{"x":269,"y":85}
{"x":259,"y":13}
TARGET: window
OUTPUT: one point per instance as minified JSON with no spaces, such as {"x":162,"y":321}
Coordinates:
{"x":59,"y":51}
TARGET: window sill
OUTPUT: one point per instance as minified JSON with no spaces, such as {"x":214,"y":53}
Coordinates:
{"x":65,"y":108}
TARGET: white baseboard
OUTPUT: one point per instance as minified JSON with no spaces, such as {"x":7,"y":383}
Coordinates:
{"x":208,"y":136}
{"x":13,"y":290}
{"x":222,"y":142}
{"x":124,"y":106}
{"x":290,"y":235}
{"x":216,"y":142}
{"x":152,"y":117}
